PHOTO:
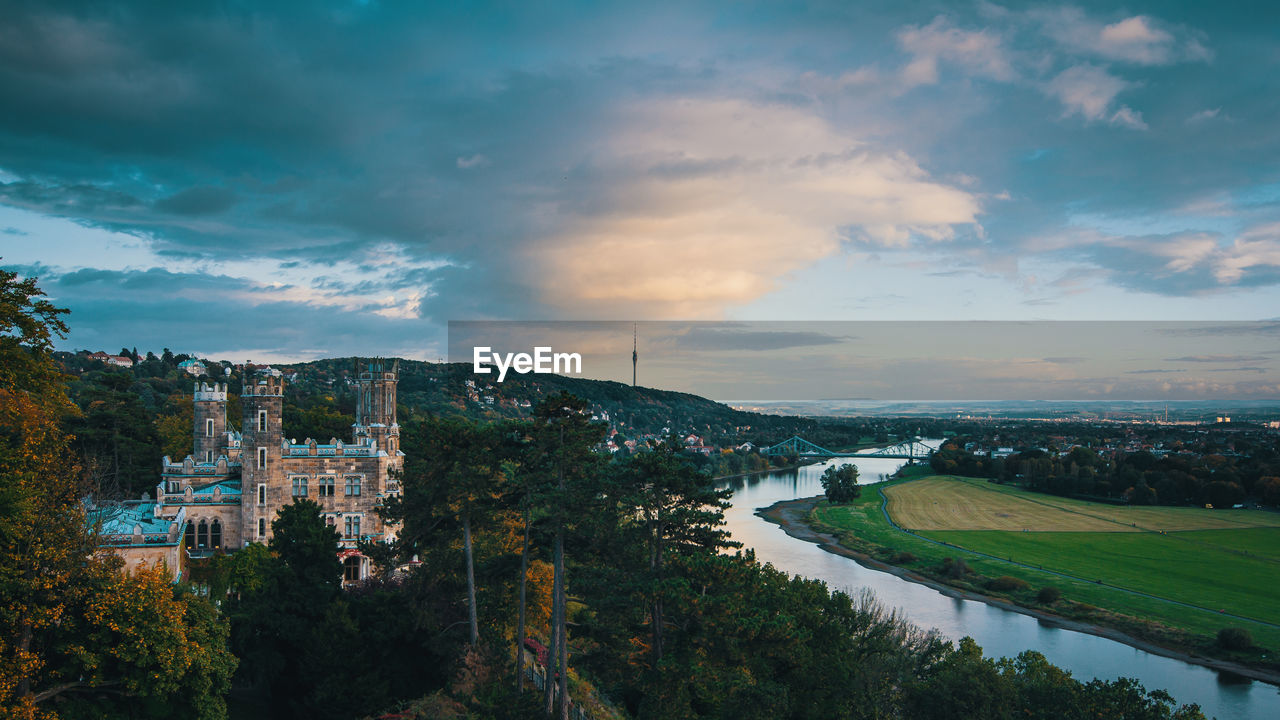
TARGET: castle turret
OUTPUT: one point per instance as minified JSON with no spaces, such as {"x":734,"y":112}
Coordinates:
{"x":261,"y":464}
{"x":210,"y":403}
{"x":376,"y":404}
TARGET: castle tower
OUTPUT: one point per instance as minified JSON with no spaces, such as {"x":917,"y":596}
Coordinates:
{"x":210,"y":404}
{"x":262,"y":481}
{"x":376,"y":404}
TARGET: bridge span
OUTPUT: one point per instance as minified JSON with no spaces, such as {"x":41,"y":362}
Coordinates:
{"x":911,"y":450}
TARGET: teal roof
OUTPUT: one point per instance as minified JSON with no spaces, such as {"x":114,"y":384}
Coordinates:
{"x":122,"y":519}
{"x":229,"y":487}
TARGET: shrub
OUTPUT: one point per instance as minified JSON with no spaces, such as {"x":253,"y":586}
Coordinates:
{"x":1049,"y":595}
{"x":1235,"y":639}
{"x":1004,"y":583}
{"x":954,"y":568}
{"x":903,"y":558}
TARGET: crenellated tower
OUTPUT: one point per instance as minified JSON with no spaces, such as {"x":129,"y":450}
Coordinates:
{"x":376,"y":404}
{"x":210,"y":405}
{"x":262,"y":464}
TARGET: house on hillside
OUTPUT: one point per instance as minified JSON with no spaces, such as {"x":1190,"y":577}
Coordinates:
{"x":192,"y":367}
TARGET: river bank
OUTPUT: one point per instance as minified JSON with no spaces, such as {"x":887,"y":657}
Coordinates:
{"x":765,"y":471}
{"x":792,"y":516}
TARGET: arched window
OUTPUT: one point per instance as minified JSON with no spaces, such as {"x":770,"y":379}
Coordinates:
{"x":202,"y":535}
{"x":190,"y":539}
{"x":215,"y":534}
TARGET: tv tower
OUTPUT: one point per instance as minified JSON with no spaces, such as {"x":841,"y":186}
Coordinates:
{"x":635,"y":356}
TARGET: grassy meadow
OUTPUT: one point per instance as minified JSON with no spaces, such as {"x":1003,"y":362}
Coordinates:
{"x":1152,"y":562}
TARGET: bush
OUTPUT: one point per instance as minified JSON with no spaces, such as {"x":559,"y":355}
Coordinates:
{"x":1234,"y":639}
{"x":954,"y":568}
{"x":903,"y":558}
{"x":1004,"y":583}
{"x":1049,"y":595}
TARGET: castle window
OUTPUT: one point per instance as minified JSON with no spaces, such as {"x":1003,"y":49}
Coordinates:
{"x":262,"y":528}
{"x":175,"y":487}
{"x":352,"y":526}
{"x":208,"y":428}
{"x":262,"y":458}
{"x":208,"y":456}
{"x":190,"y":540}
{"x":262,"y":421}
{"x":202,"y":535}
{"x":215,"y":535}
{"x":326,"y":487}
{"x":299,"y":487}
{"x":353,"y":484}
{"x":351,"y":569}
{"x":262,"y":494}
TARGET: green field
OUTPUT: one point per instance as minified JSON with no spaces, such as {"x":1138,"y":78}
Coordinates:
{"x":1233,"y":566}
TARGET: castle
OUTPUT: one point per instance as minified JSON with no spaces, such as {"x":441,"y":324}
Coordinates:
{"x":226,"y":493}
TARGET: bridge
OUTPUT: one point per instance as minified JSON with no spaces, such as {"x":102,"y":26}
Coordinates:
{"x":911,"y":450}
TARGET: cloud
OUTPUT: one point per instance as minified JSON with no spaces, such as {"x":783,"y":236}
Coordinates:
{"x":223,"y":316}
{"x":1180,"y":263}
{"x":1203,"y":116}
{"x":713,"y":202}
{"x":197,"y":201}
{"x":718,"y":339}
{"x":1090,"y":91}
{"x":1140,"y":39}
{"x":1216,"y":359}
{"x":979,"y":53}
{"x":473,"y":161}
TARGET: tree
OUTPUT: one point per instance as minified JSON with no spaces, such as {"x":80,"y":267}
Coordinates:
{"x":841,"y":483}
{"x":115,"y":434}
{"x":73,"y":630}
{"x":563,"y":439}
{"x":677,"y":511}
{"x":173,"y":427}
{"x":289,"y":627}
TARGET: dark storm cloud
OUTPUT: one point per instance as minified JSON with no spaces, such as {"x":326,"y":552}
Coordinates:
{"x":197,"y":201}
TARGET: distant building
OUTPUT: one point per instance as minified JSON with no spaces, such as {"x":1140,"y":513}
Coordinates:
{"x":116,"y":360}
{"x":192,"y":367}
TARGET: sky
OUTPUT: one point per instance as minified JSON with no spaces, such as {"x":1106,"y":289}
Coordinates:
{"x":291,"y":180}
{"x":870,"y":363}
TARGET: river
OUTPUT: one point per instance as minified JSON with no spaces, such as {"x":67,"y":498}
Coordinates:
{"x":999,"y":632}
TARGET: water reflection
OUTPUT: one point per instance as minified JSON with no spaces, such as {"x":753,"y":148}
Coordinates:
{"x":999,"y":632}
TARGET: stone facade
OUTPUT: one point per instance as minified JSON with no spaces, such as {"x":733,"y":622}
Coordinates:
{"x":230,"y":489}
